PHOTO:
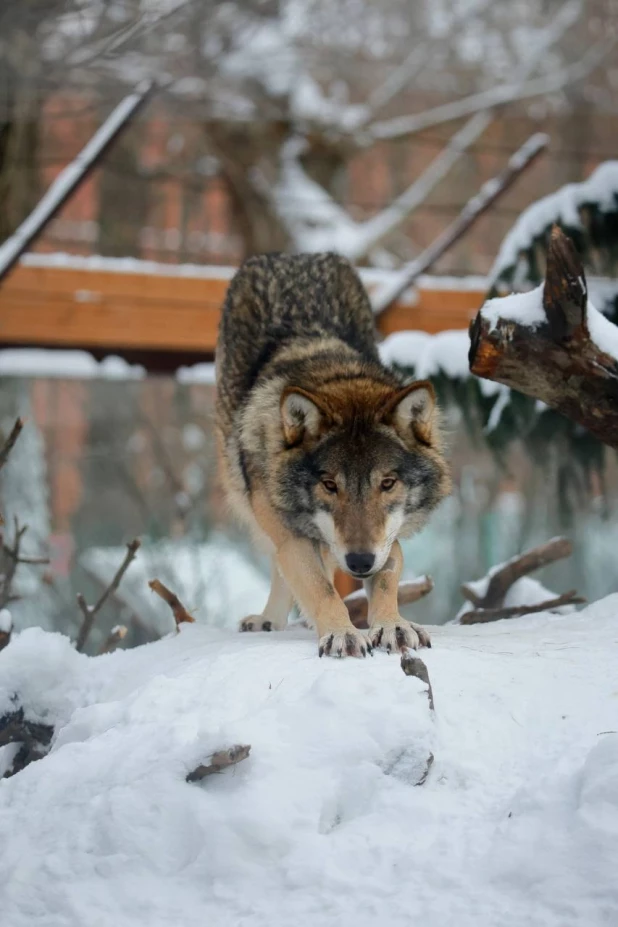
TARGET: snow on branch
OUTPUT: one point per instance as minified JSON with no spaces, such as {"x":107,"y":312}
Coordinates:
{"x":72,"y":177}
{"x":552,"y":344}
{"x":563,"y":207}
{"x":491,"y":191}
{"x":499,"y":594}
{"x":495,"y":96}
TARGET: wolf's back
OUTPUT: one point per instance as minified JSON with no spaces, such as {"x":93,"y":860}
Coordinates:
{"x":277,"y":299}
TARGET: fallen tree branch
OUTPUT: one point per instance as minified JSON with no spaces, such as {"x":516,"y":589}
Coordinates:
{"x":33,"y":736}
{"x":561,"y":350}
{"x":179,"y":612}
{"x":357,"y":603}
{"x":116,"y":635}
{"x":219,"y":761}
{"x":483,"y":615}
{"x":501,"y":579}
{"x":90,"y":611}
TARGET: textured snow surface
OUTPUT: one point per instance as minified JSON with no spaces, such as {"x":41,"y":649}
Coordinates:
{"x":517,"y":823}
{"x":601,"y":188}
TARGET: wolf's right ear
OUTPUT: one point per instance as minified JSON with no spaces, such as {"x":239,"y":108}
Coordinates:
{"x":301,"y":415}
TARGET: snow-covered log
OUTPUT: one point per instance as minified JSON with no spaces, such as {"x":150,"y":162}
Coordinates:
{"x":553,"y":345}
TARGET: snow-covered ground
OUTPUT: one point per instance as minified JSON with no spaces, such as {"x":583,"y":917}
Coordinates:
{"x":517,"y":823}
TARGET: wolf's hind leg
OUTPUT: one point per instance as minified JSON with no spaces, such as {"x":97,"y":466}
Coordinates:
{"x":277,"y":608}
{"x":387,"y":628}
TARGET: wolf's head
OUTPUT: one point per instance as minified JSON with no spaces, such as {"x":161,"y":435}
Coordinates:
{"x":362,"y":464}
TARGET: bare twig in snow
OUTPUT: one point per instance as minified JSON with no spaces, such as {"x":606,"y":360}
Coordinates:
{"x":414,"y":666}
{"x":178,"y":610}
{"x":219,"y":761}
{"x":90,"y":611}
{"x":8,"y":445}
{"x":116,"y":635}
{"x":483,"y":615}
{"x":11,"y":555}
{"x":357,"y":603}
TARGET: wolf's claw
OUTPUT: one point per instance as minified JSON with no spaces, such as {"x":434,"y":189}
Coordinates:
{"x":399,"y":637}
{"x":344,"y":643}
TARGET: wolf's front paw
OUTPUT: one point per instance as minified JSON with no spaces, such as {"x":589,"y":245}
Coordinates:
{"x":344,"y":644}
{"x":255,"y":623}
{"x":399,"y":636}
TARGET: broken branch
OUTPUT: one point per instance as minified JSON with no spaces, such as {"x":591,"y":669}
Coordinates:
{"x":554,"y":359}
{"x":220,"y":760}
{"x":483,"y":615}
{"x":90,"y":611}
{"x":502,"y":579}
{"x":179,"y":612}
{"x":357,"y":602}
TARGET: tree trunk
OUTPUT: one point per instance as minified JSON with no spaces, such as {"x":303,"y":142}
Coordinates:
{"x":555,"y":359}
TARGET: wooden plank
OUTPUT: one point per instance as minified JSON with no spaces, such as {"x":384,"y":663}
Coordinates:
{"x":77,"y":307}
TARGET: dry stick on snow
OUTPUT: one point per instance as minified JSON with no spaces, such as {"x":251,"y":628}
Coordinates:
{"x":502,"y":579}
{"x":556,"y":360}
{"x":90,"y":611}
{"x":483,"y":615}
{"x":178,"y":610}
{"x":220,"y":760}
{"x":414,"y":666}
{"x":116,"y":635}
{"x":489,"y":193}
{"x":10,"y":442}
{"x":357,"y":603}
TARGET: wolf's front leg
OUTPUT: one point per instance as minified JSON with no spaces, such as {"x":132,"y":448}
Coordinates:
{"x":277,"y":608}
{"x":310,"y":577}
{"x":386,"y":626}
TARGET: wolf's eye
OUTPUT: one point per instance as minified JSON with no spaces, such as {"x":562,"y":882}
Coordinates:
{"x":330,"y":486}
{"x":387,"y":484}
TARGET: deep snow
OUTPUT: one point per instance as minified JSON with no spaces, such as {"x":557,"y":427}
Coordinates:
{"x":517,"y":823}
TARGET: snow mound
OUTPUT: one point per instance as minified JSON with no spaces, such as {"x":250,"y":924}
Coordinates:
{"x":106,"y":822}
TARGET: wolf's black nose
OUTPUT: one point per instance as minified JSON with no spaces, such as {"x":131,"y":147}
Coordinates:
{"x":359,"y":563}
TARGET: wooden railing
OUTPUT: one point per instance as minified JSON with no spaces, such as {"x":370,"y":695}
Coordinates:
{"x":168,"y":308}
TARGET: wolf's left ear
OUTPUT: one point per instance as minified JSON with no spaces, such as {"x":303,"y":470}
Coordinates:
{"x":413,"y":409}
{"x":301,"y":415}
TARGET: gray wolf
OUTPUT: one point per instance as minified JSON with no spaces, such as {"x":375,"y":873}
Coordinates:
{"x":326,"y":455}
